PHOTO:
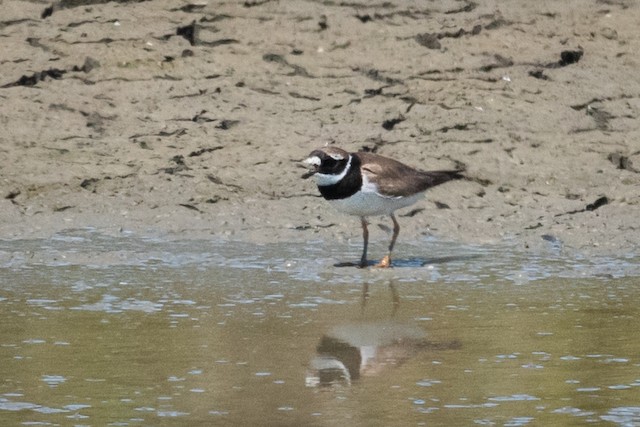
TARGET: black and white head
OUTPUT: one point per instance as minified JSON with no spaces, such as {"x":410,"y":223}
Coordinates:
{"x":329,"y":165}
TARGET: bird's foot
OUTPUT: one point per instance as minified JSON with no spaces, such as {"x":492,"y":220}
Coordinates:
{"x":384,"y":262}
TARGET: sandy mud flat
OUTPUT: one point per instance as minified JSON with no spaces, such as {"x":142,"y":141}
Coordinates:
{"x":190,"y":119}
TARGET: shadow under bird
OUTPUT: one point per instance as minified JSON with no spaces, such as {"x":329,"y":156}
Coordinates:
{"x":366,"y":184}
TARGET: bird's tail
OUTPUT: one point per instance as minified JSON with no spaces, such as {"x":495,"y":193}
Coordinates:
{"x":433,"y":178}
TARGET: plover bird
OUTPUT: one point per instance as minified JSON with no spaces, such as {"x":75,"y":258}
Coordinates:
{"x":366,"y":184}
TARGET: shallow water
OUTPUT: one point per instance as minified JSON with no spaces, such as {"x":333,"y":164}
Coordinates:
{"x":98,"y":330}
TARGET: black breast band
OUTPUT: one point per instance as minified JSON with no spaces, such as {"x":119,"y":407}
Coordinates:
{"x":347,"y":186}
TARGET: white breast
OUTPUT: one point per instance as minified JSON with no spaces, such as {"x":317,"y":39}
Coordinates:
{"x":368,"y":202}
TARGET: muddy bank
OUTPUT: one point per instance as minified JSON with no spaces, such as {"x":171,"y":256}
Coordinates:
{"x":189,"y":119}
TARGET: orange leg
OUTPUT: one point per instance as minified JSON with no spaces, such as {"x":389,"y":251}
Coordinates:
{"x":365,"y":236}
{"x":386,"y":261}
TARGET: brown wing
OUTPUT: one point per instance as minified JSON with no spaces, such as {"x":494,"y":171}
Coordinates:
{"x":395,"y":179}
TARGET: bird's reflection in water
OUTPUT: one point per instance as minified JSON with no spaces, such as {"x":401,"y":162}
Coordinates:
{"x":352,"y":351}
{"x":395,"y":298}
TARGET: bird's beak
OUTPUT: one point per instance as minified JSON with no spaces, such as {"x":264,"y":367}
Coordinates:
{"x":313,"y":163}
{"x":308,"y":174}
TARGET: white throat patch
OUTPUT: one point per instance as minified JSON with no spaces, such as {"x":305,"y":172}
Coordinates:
{"x":323,"y":179}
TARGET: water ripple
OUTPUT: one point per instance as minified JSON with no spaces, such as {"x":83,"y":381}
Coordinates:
{"x":306,"y":261}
